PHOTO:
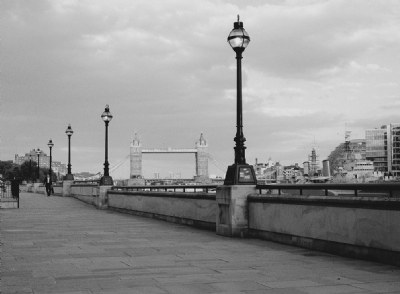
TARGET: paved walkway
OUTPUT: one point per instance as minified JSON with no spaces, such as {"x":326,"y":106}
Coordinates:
{"x":61,"y":245}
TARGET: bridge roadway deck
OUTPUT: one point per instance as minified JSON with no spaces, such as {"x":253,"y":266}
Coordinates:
{"x":61,"y":245}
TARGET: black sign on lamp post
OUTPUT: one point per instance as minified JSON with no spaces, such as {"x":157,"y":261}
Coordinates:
{"x":69,"y":132}
{"x":106,"y":180}
{"x":240,"y":173}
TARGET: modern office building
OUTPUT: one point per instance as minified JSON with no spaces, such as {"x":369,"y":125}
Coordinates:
{"x":383,"y":148}
{"x":376,"y":148}
{"x":395,"y":150}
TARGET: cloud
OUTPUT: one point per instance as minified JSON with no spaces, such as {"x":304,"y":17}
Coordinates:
{"x":303,"y":40}
{"x":391,"y":104}
{"x":353,"y":68}
{"x":287,"y":112}
{"x":167,"y":71}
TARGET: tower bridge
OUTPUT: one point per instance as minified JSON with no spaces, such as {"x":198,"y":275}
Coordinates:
{"x":168,"y":150}
{"x":136,"y":159}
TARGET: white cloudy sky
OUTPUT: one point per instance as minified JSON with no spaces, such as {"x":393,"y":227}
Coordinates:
{"x":167,"y":72}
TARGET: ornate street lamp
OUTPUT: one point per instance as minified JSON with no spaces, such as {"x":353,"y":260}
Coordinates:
{"x":69,"y":132}
{"x":38,"y":163}
{"x":50,"y":144}
{"x":240,"y":173}
{"x":106,"y":180}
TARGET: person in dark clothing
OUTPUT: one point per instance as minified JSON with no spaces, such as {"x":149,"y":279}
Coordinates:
{"x":15,"y":188}
{"x":47,"y":183}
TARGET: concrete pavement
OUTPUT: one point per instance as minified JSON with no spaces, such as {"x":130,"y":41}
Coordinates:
{"x":61,"y":245}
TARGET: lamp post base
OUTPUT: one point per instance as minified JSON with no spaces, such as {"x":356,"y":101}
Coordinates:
{"x":240,"y":174}
{"x":69,"y":177}
{"x":106,"y":181}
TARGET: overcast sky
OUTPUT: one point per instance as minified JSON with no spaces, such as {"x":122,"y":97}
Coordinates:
{"x":311,"y":70}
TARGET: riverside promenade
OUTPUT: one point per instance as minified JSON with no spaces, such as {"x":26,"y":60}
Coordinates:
{"x":61,"y":245}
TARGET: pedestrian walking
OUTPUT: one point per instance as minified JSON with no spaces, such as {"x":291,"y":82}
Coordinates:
{"x":48,"y":184}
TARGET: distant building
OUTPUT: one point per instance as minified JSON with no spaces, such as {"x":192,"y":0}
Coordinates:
{"x":377,"y":154}
{"x":44,"y":161}
{"x":86,"y":176}
{"x":59,"y":168}
{"x":270,"y":172}
{"x":383,"y":148}
{"x":326,"y":170}
{"x":345,"y":154}
{"x":279,"y":173}
{"x":312,"y":166}
{"x":306,"y":167}
{"x":261,"y":169}
{"x":376,"y":148}
{"x":395,"y":133}
{"x":292,"y":173}
{"x":274,"y":172}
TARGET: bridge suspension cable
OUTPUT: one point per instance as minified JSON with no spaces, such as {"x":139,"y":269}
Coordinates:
{"x":216,"y":163}
{"x":118,"y":165}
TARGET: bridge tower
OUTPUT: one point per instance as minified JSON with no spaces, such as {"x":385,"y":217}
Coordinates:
{"x":136,"y":162}
{"x":202,"y":160}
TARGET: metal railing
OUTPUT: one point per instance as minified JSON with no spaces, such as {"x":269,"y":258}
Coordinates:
{"x":9,"y":193}
{"x":86,"y":182}
{"x":5,"y":190}
{"x":383,"y":189}
{"x":169,"y":188}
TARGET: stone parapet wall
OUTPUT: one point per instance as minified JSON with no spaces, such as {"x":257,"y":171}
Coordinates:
{"x":362,"y":227}
{"x":85,"y":193}
{"x":33,"y":188}
{"x":197,"y":209}
{"x":39,"y":188}
{"x":58,"y":190}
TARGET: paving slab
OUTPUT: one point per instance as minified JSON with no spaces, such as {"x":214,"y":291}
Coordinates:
{"x":61,"y":245}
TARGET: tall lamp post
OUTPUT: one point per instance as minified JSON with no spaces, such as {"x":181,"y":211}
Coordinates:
{"x":240,"y":173}
{"x":38,"y":164}
{"x":50,"y":144}
{"x":106,"y":180}
{"x":69,"y":132}
{"x":30,"y":167}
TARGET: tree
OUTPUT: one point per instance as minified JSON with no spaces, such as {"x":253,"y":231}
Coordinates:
{"x":5,"y":166}
{"x":42,"y":173}
{"x":28,"y":170}
{"x":14,"y":173}
{"x":9,"y":170}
